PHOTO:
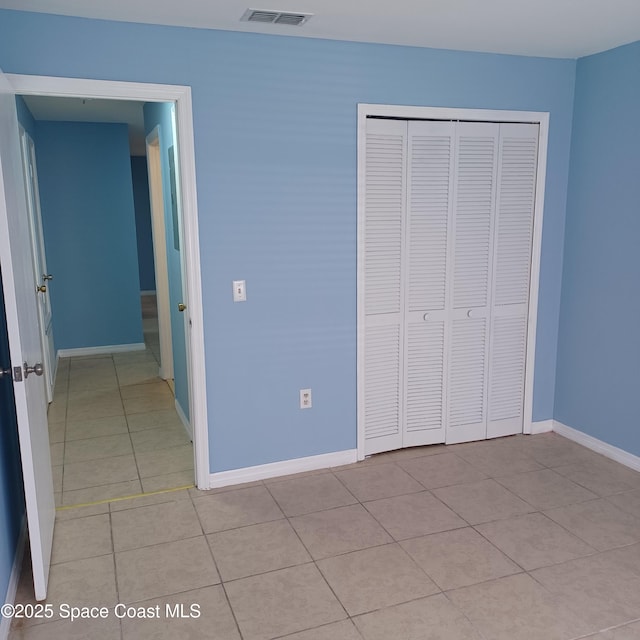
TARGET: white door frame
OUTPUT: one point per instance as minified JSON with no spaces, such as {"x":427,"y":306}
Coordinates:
{"x":474,"y":115}
{"x":156,"y":197}
{"x":181,"y":96}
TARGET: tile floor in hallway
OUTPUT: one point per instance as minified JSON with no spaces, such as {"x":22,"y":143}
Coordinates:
{"x":521,"y":538}
{"x":113,"y":427}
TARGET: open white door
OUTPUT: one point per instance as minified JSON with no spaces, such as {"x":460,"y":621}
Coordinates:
{"x":43,"y":277}
{"x":24,"y":343}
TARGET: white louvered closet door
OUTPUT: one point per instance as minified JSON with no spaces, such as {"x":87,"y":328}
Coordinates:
{"x":470,"y":280}
{"x":384,"y":231}
{"x":518,"y":157}
{"x":429,"y":217}
{"x":448,"y":230}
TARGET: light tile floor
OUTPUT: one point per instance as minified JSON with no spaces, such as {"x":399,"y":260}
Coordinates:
{"x":113,"y":427}
{"x":522,"y":538}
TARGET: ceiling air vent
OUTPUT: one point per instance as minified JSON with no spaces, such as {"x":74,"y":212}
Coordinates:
{"x":275,"y":17}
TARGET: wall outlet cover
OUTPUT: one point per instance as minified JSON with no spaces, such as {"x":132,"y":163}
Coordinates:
{"x":305,"y":398}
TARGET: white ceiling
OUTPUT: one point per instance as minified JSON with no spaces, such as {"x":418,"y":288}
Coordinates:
{"x":549,"y":28}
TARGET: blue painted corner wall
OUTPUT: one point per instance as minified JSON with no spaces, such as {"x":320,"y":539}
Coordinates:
{"x":159,"y":114}
{"x":11,"y":490}
{"x":275,"y":143}
{"x":598,"y":373}
{"x":144,"y":236}
{"x":25,"y":118}
{"x":88,"y":218}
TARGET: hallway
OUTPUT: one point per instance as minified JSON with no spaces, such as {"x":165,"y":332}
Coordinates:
{"x":113,"y":427}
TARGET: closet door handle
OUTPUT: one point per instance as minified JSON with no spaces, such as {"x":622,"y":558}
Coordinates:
{"x":470,"y":313}
{"x":425,"y":316}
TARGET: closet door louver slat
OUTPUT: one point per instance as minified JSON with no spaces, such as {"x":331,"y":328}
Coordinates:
{"x":429,"y":212}
{"x":467,"y":372}
{"x":508,"y":354}
{"x":424,"y":414}
{"x":473,"y":215}
{"x":384,"y":225}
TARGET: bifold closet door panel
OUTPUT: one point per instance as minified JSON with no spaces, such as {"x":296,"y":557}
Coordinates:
{"x":515,"y":203}
{"x":384,"y":246}
{"x":471,"y":278}
{"x":428,"y":254}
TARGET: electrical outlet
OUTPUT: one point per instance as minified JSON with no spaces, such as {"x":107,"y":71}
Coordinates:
{"x":305,"y":398}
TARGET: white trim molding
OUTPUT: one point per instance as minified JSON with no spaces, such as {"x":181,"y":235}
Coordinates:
{"x":540,"y":118}
{"x":14,"y":579}
{"x":608,"y":450}
{"x":100,"y":351}
{"x":542,"y":426}
{"x":181,"y":96}
{"x":183,"y":418}
{"x":284,"y":468}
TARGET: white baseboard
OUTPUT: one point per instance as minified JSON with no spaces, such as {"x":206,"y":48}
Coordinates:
{"x":14,"y":579}
{"x":185,"y":422}
{"x":284,"y":468}
{"x":99,"y":351}
{"x":619,"y":455}
{"x":542,"y":426}
{"x":148,"y":292}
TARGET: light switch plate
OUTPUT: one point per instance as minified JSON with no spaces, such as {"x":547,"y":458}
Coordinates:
{"x":239,"y":290}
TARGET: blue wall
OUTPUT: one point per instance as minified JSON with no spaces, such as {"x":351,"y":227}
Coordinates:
{"x":275,"y":136}
{"x":11,"y":491}
{"x":598,"y":374}
{"x":144,"y":236}
{"x":88,"y":217}
{"x":160,"y":114}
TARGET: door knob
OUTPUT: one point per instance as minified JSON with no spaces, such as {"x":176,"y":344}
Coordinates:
{"x":181,"y":307}
{"x":42,"y":288}
{"x":47,"y":276}
{"x":37,"y":368}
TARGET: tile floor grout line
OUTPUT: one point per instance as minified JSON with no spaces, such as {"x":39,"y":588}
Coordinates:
{"x":226,"y":595}
{"x":474,"y":627}
{"x":133,"y":451}
{"x":222,"y":582}
{"x":313,"y":560}
{"x":321,"y":626}
{"x":122,"y":498}
{"x":577,"y":535}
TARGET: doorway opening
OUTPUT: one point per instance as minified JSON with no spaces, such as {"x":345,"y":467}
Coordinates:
{"x":139,"y":376}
